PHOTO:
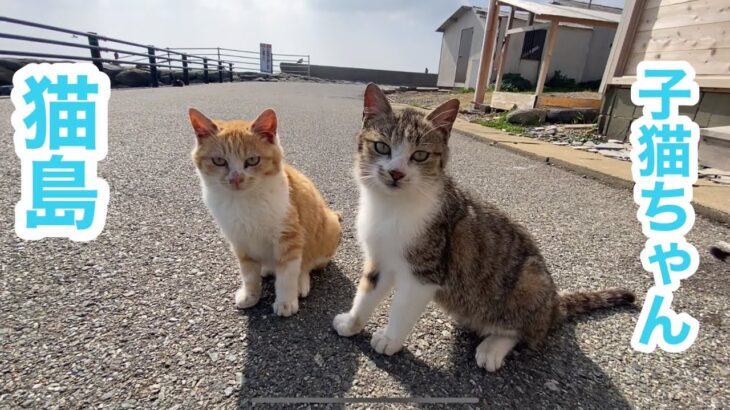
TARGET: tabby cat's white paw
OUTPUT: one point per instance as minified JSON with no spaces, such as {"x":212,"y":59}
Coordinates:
{"x":385,"y":345}
{"x":245,"y":298}
{"x":346,"y":324}
{"x":492,"y":351}
{"x":286,"y":308}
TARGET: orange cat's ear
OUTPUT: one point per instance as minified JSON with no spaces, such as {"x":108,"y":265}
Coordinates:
{"x":265,"y":125}
{"x":202,"y":125}
{"x":375,"y":103}
{"x":444,"y":115}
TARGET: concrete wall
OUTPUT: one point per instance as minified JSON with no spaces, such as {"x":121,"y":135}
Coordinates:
{"x":365,"y":75}
{"x":571,"y":52}
{"x":598,"y":51}
{"x":450,"y":50}
{"x":580,"y":54}
{"x":512,"y":63}
{"x":617,"y":113}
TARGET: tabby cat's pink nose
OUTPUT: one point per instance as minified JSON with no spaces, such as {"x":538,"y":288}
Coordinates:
{"x":396,"y":175}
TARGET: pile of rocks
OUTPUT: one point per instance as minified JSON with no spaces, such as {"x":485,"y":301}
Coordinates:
{"x":566,"y":133}
{"x":715,"y":175}
{"x":539,"y":116}
{"x":578,"y":136}
{"x":582,"y":137}
{"x":611,"y":148}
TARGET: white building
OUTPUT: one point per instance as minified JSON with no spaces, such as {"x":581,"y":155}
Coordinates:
{"x":580,"y":52}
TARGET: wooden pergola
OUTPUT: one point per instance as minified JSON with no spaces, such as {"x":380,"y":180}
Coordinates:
{"x":550,"y":17}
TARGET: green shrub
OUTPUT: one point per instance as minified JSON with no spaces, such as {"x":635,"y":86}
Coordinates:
{"x":512,"y":82}
{"x":590,"y":85}
{"x":561,"y":82}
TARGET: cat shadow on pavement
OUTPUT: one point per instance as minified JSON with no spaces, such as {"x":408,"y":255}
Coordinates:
{"x":560,"y":375}
{"x":303,"y":357}
{"x":298,"y":356}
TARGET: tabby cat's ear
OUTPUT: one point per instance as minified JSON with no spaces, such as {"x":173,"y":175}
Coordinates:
{"x":375,"y":103}
{"x":202,"y":125}
{"x":265,"y":125}
{"x":444,"y":115}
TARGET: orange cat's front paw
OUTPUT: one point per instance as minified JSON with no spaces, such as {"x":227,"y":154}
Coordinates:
{"x":286,"y":308}
{"x":246,"y":298}
{"x":346,"y":324}
{"x":304,"y":284}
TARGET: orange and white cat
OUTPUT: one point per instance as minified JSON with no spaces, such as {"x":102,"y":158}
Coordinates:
{"x":272,"y":215}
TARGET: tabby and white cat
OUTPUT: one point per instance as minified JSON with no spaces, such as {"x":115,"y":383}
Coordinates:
{"x":272,"y":215}
{"x":432,"y":240}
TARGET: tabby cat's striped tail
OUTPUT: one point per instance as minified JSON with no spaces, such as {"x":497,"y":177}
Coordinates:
{"x":582,"y":301}
{"x":721,"y":251}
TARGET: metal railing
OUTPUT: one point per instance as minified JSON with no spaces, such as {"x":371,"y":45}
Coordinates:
{"x":212,"y":64}
{"x":244,"y":60}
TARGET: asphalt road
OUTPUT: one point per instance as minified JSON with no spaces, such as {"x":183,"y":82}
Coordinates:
{"x":144,"y":316}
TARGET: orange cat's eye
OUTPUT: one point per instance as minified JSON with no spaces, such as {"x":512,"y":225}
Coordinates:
{"x":253,"y":161}
{"x":218,"y":161}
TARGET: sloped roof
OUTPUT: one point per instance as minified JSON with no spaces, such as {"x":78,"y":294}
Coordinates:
{"x":481,"y":12}
{"x":461,"y":10}
{"x":553,"y":10}
{"x":571,"y":9}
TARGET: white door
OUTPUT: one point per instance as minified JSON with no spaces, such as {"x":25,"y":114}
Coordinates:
{"x":462,"y":59}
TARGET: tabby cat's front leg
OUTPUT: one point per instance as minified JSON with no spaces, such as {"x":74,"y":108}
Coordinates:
{"x":410,"y":301}
{"x":374,"y":286}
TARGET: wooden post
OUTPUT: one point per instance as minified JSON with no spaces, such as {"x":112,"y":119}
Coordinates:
{"x":153,"y":66}
{"x":503,"y":52}
{"x":205,"y":70}
{"x":547,"y":55}
{"x":530,"y":19}
{"x":186,"y":78}
{"x":230,"y":70}
{"x":485,"y":62}
{"x":95,"y":53}
{"x":622,"y":41}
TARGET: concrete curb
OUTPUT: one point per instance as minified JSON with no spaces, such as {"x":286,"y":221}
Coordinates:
{"x":709,"y":199}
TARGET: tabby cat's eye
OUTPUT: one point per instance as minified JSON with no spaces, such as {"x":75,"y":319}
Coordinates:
{"x":253,"y":161}
{"x":382,"y":148}
{"x":221,"y":162}
{"x":420,"y":156}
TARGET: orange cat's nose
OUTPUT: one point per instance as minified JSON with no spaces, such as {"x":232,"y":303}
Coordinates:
{"x":234,"y":178}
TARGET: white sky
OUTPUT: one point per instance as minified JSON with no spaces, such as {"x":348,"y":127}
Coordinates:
{"x":386,"y":34}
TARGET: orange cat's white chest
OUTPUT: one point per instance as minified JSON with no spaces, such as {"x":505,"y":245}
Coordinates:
{"x":251,"y":221}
